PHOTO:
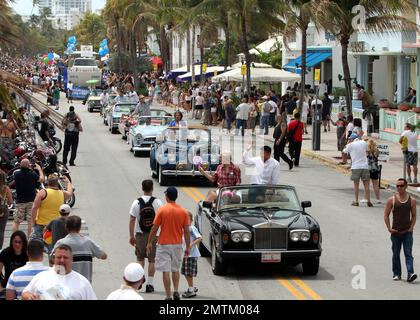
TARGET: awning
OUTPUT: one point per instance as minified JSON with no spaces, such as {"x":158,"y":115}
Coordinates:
{"x":313,"y":58}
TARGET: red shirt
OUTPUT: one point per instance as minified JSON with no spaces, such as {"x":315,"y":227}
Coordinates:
{"x":298,"y":135}
{"x":225,"y":177}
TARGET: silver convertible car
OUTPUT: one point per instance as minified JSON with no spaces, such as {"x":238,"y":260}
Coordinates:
{"x":142,"y":136}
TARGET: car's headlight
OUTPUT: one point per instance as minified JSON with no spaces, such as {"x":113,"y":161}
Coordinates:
{"x":302,"y":235}
{"x":139,"y":137}
{"x":172,"y":158}
{"x":246,"y":236}
{"x":236,"y":237}
{"x":241,"y":235}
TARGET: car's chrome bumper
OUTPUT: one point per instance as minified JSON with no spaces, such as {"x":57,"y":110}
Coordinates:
{"x":142,"y":148}
{"x":256,"y":255}
{"x":189,"y":173}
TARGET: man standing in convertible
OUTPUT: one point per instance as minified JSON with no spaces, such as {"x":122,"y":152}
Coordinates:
{"x":227,"y":174}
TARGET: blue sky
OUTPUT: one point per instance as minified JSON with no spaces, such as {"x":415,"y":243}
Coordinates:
{"x":24,"y":7}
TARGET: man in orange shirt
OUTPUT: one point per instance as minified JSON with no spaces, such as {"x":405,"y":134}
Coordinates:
{"x":174,"y":223}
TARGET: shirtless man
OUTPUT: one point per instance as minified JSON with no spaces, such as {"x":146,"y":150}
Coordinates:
{"x":8,"y":128}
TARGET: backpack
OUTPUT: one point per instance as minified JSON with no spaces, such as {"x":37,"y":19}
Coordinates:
{"x":147,"y":214}
{"x":267,"y":107}
{"x":291,"y":133}
{"x":71,"y":122}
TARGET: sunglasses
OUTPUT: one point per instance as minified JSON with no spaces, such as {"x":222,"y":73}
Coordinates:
{"x":400,"y":185}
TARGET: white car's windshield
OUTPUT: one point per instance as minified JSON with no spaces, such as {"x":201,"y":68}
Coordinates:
{"x":192,"y":135}
{"x":258,"y":197}
{"x":124,"y":108}
{"x":154,"y":121}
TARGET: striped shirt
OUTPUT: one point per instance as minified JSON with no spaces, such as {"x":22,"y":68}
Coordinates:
{"x":21,"y":277}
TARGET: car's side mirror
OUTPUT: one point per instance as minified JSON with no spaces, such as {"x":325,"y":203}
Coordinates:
{"x":208,"y":204}
{"x":306,"y":204}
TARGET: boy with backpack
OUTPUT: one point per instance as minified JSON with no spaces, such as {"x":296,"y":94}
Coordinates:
{"x":142,"y":214}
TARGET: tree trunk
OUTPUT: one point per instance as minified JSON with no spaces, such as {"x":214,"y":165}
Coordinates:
{"x":227,"y":47}
{"x":246,"y":52}
{"x":303,"y":69}
{"x":134,"y":61}
{"x":163,"y":47}
{"x":180,"y":51}
{"x":346,"y":70}
{"x":192,"y":55}
{"x":188,"y":50}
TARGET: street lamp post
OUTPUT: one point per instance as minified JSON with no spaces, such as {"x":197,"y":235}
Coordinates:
{"x":243,"y":78}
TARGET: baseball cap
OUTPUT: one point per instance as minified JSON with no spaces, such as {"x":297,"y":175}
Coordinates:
{"x":172,"y":193}
{"x":265,"y":98}
{"x":65,"y":208}
{"x":133,"y":272}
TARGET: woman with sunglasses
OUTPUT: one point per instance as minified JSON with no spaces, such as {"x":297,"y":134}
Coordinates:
{"x":14,"y":256}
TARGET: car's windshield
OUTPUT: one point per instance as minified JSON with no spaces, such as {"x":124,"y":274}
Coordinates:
{"x":154,"y":121}
{"x":192,"y":135}
{"x":157,"y":113}
{"x":84,"y":63}
{"x":258,"y":197}
{"x":124,"y":108}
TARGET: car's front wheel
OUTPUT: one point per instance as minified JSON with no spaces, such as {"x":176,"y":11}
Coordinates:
{"x":311,"y":266}
{"x":219,"y":268}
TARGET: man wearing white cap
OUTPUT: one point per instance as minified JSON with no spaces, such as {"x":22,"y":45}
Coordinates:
{"x":133,"y":280}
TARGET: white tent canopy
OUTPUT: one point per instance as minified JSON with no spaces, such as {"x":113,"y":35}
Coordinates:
{"x":254,"y":64}
{"x":197,"y":71}
{"x":267,"y":46}
{"x":269,"y":75}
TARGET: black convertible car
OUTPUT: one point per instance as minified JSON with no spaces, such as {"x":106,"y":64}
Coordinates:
{"x":259,"y":223}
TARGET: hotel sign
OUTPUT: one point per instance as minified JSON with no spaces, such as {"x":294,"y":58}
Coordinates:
{"x":358,"y":46}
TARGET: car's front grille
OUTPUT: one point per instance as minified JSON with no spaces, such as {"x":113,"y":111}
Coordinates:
{"x":149,"y":139}
{"x":270,"y":236}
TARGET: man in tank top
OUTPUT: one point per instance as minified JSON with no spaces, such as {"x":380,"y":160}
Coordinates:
{"x":403,"y":209}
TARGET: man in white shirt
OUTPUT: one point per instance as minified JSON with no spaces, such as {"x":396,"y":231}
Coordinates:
{"x":242,"y":113}
{"x":133,"y":280}
{"x":304,"y":113}
{"x":266,"y":169}
{"x":411,"y":156}
{"x":69,"y":92}
{"x":139,"y":237}
{"x":323,"y":88}
{"x":59,"y":282}
{"x":359,"y":167}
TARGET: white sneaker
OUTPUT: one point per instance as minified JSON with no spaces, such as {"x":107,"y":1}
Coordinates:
{"x":409,"y":179}
{"x":363,"y":201}
{"x":378,"y":202}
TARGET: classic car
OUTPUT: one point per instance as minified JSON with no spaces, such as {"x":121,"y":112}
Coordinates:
{"x":93,"y":102}
{"x":131,"y":120}
{"x":259,"y":223}
{"x":116,"y":112}
{"x":179,"y":151}
{"x":143,"y":135}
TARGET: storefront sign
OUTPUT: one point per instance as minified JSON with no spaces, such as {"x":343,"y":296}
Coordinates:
{"x":215,"y":73}
{"x":204,"y":67}
{"x":383,"y":152}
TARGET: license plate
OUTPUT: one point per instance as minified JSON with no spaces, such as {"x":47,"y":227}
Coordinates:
{"x":271,"y":257}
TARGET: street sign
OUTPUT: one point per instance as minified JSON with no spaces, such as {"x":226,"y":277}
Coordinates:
{"x":86,"y":51}
{"x":243,"y":70}
{"x":383,"y":152}
{"x":317,"y":77}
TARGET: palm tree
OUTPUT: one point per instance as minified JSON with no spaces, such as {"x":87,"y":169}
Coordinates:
{"x":9,"y":32}
{"x":336,"y":16}
{"x":298,"y":15}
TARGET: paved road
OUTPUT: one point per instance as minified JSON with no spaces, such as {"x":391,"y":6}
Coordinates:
{"x":108,"y":177}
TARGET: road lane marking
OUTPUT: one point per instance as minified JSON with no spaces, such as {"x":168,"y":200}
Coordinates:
{"x":190,"y":194}
{"x":194,"y":192}
{"x":295,"y":292}
{"x":303,"y":286}
{"x":198,"y":193}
